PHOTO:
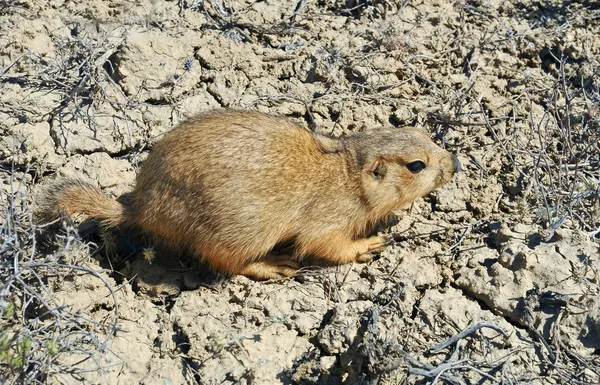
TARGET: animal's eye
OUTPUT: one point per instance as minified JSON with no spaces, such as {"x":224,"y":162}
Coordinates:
{"x":416,"y":166}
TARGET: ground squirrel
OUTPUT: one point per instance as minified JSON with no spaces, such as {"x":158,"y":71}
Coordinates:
{"x":228,"y":186}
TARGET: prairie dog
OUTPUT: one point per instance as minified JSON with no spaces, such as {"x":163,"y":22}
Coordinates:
{"x":229,"y":185}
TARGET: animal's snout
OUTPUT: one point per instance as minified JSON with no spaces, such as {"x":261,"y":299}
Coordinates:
{"x":456,"y":163}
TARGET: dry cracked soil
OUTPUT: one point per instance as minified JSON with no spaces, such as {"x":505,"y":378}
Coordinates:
{"x":87,"y":87}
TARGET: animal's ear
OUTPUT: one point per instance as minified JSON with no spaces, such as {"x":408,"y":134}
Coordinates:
{"x":329,"y":145}
{"x":376,"y":167}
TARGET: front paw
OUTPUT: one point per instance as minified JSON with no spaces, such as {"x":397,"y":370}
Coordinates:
{"x":378,"y":243}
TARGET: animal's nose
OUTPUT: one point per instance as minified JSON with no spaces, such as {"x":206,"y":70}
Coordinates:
{"x":456,"y":163}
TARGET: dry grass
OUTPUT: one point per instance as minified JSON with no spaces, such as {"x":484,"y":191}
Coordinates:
{"x":35,"y":327}
{"x":565,"y":167}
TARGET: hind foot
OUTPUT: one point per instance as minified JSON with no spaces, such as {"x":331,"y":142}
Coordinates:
{"x":271,"y":267}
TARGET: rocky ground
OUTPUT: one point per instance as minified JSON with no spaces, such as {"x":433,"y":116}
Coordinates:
{"x":508,"y":252}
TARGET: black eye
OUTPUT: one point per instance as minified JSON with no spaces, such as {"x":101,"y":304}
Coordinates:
{"x":416,"y":166}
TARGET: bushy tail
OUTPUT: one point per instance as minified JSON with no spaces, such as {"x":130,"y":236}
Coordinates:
{"x":78,"y":197}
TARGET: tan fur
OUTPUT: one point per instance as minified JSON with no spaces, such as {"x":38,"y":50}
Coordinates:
{"x":77,"y":197}
{"x":231,"y":185}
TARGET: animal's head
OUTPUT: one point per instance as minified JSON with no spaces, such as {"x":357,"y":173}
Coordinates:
{"x":401,"y":165}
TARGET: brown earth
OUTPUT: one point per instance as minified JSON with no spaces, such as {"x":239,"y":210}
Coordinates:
{"x":88,"y":86}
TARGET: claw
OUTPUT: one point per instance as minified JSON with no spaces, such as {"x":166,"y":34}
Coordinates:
{"x":390,"y":239}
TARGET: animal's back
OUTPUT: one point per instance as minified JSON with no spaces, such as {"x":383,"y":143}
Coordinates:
{"x":236,"y":181}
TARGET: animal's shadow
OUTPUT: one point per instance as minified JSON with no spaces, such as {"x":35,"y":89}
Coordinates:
{"x":151,"y":268}
{"x":157,"y":270}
